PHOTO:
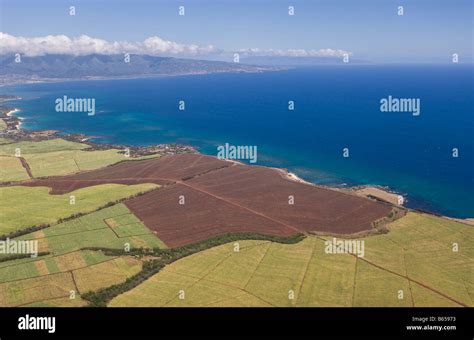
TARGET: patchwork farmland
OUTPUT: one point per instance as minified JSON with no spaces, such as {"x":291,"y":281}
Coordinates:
{"x":205,"y":197}
{"x":264,"y":273}
{"x":141,"y":231}
{"x":49,"y":279}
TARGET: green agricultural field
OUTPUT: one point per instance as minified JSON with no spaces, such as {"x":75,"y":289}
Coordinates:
{"x":74,"y":275}
{"x":51,"y":145}
{"x":11,"y":170}
{"x":91,"y":230}
{"x":412,"y":265}
{"x":23,"y":292}
{"x":67,"y":265}
{"x":57,"y":157}
{"x":374,"y":286}
{"x":329,"y":280}
{"x":60,"y":163}
{"x":22,"y":207}
{"x":50,"y":264}
{"x":106,"y":274}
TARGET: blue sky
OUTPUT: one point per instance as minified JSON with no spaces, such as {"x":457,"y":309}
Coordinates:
{"x":429,"y":30}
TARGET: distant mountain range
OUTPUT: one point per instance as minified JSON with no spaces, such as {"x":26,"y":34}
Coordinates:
{"x":95,"y":66}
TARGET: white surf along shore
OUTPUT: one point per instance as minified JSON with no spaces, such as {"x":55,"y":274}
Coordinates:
{"x":20,"y":119}
{"x":365,"y":191}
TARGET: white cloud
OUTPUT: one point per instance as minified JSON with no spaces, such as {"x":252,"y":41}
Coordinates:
{"x":83,"y":45}
{"x":326,"y":52}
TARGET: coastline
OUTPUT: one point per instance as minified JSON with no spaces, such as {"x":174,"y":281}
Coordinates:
{"x":10,"y":113}
{"x":15,"y":131}
{"x":19,"y":120}
{"x":369,"y":191}
{"x":379,"y":193}
{"x":23,"y":81}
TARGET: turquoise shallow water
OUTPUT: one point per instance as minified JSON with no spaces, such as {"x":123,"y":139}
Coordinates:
{"x":335,"y":107}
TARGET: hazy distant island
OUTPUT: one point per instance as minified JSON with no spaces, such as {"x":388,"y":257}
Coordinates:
{"x":54,"y":67}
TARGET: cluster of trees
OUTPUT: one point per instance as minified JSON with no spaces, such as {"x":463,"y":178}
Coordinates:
{"x":24,"y":231}
{"x":102,"y":296}
{"x":381,"y":224}
{"x":22,"y":256}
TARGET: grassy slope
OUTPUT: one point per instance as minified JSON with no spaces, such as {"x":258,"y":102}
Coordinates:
{"x":418,"y":248}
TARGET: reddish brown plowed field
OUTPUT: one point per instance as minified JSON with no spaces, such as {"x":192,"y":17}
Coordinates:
{"x":223,"y":197}
{"x":266,"y":191}
{"x":163,"y":170}
{"x":200,"y":217}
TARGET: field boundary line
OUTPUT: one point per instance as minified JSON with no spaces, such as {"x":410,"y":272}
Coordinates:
{"x":150,"y":233}
{"x":74,"y":281}
{"x":29,"y":303}
{"x":241,"y":206}
{"x":409,"y":279}
{"x":406,"y":274}
{"x":75,"y":162}
{"x":306,"y":270}
{"x":200,"y":278}
{"x":243,"y":290}
{"x":415,"y":281}
{"x":206,"y":172}
{"x":109,"y":227}
{"x":34,"y":259}
{"x":66,"y":234}
{"x":354,"y":283}
{"x":59,"y":272}
{"x":258,"y":264}
{"x":223,"y":299}
{"x":467,"y":290}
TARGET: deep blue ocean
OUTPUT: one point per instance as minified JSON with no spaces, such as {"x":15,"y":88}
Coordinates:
{"x":336,"y":107}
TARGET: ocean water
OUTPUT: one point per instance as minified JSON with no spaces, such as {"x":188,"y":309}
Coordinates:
{"x":336,"y":107}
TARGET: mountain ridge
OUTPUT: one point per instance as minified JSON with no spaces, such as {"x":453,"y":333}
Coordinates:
{"x":52,"y":67}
